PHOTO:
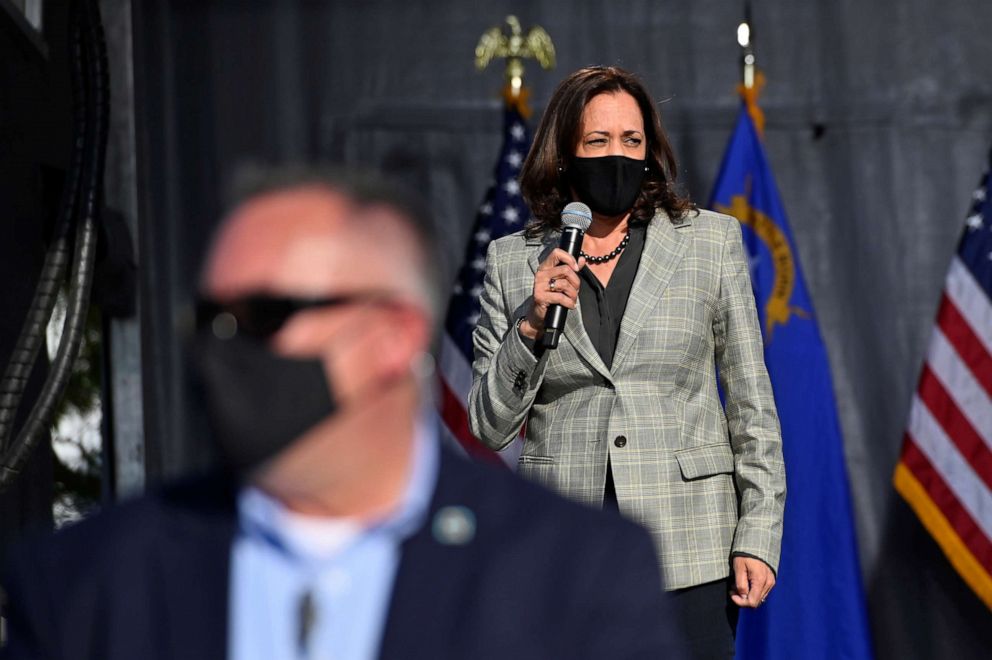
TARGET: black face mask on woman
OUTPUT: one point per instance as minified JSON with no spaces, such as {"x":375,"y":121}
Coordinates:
{"x":258,"y":402}
{"x":608,"y":184}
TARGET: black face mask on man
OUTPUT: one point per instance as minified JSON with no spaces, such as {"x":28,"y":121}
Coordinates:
{"x":258,"y":402}
{"x":608,"y":184}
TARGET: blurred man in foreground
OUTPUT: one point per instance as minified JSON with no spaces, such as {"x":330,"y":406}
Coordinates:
{"x":340,"y":528}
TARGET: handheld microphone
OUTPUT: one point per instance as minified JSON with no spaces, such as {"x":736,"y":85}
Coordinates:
{"x":576,"y":218}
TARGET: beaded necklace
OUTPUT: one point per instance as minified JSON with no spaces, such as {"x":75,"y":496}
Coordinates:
{"x":612,"y":255}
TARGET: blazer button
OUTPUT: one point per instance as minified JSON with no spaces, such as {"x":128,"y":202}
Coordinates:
{"x":520,"y":382}
{"x":621,"y":441}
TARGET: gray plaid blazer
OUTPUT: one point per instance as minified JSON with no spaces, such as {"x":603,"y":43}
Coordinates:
{"x":706,"y":480}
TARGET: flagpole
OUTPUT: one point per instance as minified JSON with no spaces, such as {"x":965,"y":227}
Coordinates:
{"x":750,"y":87}
{"x":791,"y":624}
{"x":745,"y":39}
{"x":502,"y":212}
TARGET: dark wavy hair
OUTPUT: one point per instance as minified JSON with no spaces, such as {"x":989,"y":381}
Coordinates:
{"x":544,"y":177}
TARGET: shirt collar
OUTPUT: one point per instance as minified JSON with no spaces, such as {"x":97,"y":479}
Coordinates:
{"x":263,"y":517}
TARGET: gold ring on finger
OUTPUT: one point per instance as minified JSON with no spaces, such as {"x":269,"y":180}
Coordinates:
{"x":551,"y":284}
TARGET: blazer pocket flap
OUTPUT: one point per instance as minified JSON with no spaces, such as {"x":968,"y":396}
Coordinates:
{"x":535,"y":460}
{"x":705,"y":461}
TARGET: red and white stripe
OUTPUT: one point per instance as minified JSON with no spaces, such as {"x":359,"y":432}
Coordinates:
{"x":455,"y":382}
{"x":948,"y":446}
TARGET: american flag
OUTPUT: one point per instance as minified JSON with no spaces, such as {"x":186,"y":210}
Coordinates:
{"x":945,"y":472}
{"x":503,"y":212}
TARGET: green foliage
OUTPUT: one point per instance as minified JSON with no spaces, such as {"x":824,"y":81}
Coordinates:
{"x":76,"y":431}
{"x":82,"y":394}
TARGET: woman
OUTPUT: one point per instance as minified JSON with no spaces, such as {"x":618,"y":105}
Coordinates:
{"x":625,"y":413}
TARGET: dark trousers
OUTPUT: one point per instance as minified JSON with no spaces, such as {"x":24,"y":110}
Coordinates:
{"x":709,"y":619}
{"x":707,"y":615}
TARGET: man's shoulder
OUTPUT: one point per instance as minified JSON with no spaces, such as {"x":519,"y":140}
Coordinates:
{"x":125,"y":531}
{"x":516,"y":510}
{"x":100,"y":587}
{"x":523,"y":559}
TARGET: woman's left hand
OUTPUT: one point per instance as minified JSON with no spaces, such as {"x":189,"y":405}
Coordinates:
{"x":753,"y":579}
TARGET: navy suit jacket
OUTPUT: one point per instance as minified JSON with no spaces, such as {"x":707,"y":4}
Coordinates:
{"x":541,"y":579}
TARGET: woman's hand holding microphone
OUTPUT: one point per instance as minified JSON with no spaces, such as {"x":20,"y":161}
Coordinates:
{"x":556,"y":282}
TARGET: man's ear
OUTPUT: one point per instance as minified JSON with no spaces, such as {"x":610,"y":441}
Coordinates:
{"x":409,"y":338}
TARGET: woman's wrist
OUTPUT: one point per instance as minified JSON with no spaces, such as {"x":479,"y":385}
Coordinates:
{"x":527,"y":330}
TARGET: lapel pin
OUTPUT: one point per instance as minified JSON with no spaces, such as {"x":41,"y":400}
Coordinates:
{"x":454,"y":525}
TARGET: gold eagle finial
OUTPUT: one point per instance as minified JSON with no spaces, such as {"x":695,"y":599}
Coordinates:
{"x":515,"y":47}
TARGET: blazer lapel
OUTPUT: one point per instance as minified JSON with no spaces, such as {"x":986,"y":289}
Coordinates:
{"x":665,"y":244}
{"x":575,"y":330}
{"x":439,"y":566}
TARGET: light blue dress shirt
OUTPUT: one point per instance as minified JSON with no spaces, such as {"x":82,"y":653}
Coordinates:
{"x":347,"y":569}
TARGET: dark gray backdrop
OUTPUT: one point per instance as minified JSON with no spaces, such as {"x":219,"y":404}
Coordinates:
{"x":879,"y":121}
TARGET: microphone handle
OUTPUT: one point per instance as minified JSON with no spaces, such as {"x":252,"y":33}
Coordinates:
{"x":554,"y":320}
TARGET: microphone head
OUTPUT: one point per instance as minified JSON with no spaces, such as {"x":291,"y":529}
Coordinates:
{"x":576,"y":214}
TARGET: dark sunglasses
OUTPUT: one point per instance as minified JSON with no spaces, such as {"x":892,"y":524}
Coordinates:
{"x":261,"y":316}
